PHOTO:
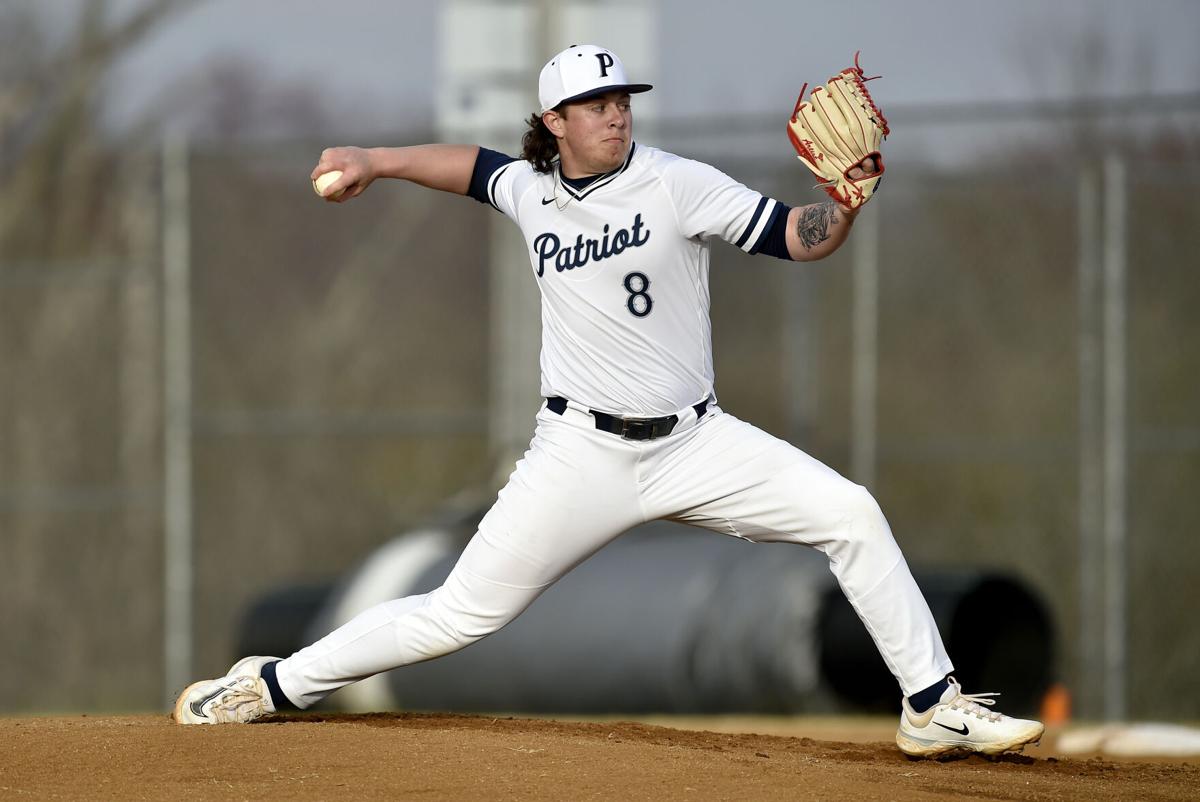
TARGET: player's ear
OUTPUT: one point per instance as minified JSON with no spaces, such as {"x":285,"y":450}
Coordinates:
{"x":554,"y":121}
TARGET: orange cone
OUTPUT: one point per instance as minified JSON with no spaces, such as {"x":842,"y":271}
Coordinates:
{"x":1056,"y":705}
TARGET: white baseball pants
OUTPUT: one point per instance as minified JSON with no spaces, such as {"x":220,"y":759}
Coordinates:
{"x":578,"y":488}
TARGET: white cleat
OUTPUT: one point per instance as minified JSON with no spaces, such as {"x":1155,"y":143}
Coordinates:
{"x":239,"y":697}
{"x":959,"y":722}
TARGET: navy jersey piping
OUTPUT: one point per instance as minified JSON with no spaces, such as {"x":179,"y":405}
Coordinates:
{"x":603,"y":180}
{"x":773,"y":240}
{"x":492,"y":185}
{"x":762,"y":204}
{"x":488,"y":166}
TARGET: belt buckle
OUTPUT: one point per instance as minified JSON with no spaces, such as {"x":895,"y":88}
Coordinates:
{"x":637,"y":429}
{"x":647,"y":428}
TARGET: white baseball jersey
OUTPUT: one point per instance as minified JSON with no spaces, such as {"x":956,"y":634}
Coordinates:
{"x":622,"y":266}
{"x":623,"y":269}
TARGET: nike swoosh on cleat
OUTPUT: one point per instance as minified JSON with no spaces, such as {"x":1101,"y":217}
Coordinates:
{"x":198,"y":707}
{"x":963,"y":731}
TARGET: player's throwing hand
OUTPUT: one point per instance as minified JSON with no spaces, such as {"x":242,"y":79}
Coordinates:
{"x":355,"y":166}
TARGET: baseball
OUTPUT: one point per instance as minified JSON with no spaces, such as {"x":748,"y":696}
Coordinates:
{"x":322,"y":182}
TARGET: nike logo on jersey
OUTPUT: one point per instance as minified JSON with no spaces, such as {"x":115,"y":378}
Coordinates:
{"x":547,"y":201}
{"x":963,"y":731}
{"x":550,"y":249}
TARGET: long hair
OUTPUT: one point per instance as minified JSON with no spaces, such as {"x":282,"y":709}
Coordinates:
{"x":538,"y":146}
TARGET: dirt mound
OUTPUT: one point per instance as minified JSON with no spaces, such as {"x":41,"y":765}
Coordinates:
{"x":437,"y":757}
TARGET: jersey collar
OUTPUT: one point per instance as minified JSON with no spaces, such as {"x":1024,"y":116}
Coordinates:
{"x":565,"y":193}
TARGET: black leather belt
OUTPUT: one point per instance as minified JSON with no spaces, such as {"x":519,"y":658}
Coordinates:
{"x":629,"y":428}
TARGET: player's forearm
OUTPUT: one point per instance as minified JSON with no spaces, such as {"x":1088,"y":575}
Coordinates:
{"x":817,"y":230}
{"x":444,"y":167}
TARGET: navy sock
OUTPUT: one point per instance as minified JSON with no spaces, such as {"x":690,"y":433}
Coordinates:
{"x":278,"y":698}
{"x":923,"y":700}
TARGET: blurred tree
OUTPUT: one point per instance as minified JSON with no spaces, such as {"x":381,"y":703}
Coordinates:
{"x":55,"y":164}
{"x":1088,"y":121}
{"x":233,"y":102}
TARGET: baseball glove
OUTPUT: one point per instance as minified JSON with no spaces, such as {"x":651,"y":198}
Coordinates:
{"x":835,"y":130}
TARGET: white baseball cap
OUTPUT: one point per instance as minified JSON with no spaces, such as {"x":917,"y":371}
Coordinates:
{"x":581,"y":71}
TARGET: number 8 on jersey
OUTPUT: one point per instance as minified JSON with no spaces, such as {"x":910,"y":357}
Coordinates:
{"x":640,"y":303}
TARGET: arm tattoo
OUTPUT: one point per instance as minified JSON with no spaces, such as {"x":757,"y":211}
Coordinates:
{"x":813,"y":225}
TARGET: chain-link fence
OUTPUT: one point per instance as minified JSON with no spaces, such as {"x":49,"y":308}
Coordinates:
{"x":339,"y":369}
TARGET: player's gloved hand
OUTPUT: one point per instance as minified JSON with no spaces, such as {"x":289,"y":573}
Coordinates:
{"x":867,"y":167}
{"x":357,"y":172}
{"x":837,"y":132}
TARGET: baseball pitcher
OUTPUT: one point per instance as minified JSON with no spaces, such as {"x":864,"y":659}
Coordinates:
{"x":618,"y":235}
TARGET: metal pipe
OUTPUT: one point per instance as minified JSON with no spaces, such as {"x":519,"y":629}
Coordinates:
{"x":1091,"y":450}
{"x":865,"y":346}
{"x":673,"y":619}
{"x":1115,"y":433}
{"x":177,"y":426}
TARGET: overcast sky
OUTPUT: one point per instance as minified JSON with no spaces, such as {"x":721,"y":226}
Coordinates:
{"x":376,"y":63}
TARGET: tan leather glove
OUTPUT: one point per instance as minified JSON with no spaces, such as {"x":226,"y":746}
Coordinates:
{"x":835,"y":130}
